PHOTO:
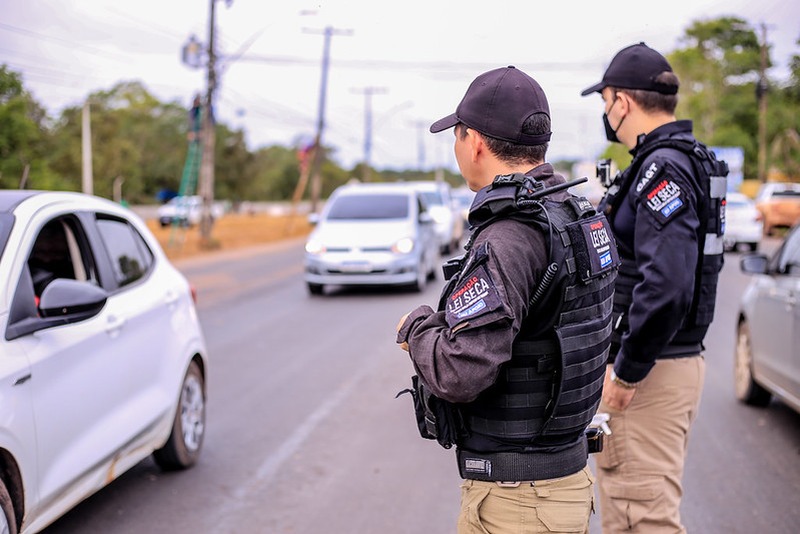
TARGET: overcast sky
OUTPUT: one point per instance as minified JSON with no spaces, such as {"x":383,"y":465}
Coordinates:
{"x":418,"y":57}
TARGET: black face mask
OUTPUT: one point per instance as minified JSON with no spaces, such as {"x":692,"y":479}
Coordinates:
{"x":611,"y":133}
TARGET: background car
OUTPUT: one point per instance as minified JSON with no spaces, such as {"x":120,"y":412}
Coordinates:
{"x":462,"y":199}
{"x":743,"y":222}
{"x":102,"y":357}
{"x":779,"y":204}
{"x":768,"y":341}
{"x":449,"y":226}
{"x":372,"y":234}
{"x":186,"y":211}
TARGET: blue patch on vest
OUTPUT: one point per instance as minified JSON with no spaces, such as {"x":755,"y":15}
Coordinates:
{"x":671,"y":207}
{"x":605,"y":259}
{"x":475,"y":308}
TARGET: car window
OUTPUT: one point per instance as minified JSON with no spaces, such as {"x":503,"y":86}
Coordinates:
{"x":6,"y":222}
{"x":789,"y":260}
{"x":383,"y":206}
{"x":130,"y":257}
{"x":433,"y":198}
{"x":59,"y":251}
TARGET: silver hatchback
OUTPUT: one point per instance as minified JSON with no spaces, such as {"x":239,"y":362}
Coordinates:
{"x":372,"y":234}
{"x":768,"y":344}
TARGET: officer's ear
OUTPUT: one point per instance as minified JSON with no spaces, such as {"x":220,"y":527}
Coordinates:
{"x":476,"y":144}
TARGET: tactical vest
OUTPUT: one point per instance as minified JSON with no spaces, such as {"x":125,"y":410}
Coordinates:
{"x":546,"y":395}
{"x":710,"y":187}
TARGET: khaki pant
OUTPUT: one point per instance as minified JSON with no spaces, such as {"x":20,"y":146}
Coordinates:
{"x":640,"y":469}
{"x":555,"y":505}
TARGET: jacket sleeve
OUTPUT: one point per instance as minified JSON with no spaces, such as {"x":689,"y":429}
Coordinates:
{"x":666,"y":251}
{"x":458,"y":359}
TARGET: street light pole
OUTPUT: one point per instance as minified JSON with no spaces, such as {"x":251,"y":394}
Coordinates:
{"x":368,"y":92}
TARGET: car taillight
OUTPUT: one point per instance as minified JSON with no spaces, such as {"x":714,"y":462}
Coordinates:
{"x":193,"y":290}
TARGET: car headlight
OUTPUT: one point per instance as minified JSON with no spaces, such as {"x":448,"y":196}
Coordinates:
{"x":315,"y":247}
{"x":403,"y":246}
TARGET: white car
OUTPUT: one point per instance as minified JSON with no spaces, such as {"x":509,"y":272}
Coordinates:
{"x":767,"y":360}
{"x":744,"y":224}
{"x":186,"y":211}
{"x":102,"y":357}
{"x":371,"y":234}
{"x":445,"y":213}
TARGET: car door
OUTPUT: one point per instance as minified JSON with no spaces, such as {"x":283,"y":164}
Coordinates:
{"x":787,"y":296}
{"x":75,"y":381}
{"x":775,"y":331}
{"x":144,"y":306}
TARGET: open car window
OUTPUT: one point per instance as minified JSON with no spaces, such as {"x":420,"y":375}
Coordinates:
{"x":60,"y":251}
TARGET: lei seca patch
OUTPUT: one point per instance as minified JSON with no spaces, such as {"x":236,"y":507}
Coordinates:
{"x":474,"y":296}
{"x":663,"y":199}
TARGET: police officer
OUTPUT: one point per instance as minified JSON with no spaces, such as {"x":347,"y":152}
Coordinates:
{"x":510,"y":367}
{"x":666,"y":212}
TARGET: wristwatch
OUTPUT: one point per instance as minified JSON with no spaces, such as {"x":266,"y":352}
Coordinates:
{"x":620,"y":382}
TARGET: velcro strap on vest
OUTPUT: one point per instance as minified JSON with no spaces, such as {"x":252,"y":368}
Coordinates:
{"x":518,"y":466}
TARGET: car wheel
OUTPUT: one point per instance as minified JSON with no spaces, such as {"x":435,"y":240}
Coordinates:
{"x":188,"y":429}
{"x":315,"y":289}
{"x":419,"y":284}
{"x":8,"y":522}
{"x":747,"y":390}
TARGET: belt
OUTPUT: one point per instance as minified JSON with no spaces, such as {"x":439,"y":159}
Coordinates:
{"x":511,"y":467}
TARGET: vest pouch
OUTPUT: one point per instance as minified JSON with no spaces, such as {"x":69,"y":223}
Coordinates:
{"x":436,"y":418}
{"x":594,"y":247}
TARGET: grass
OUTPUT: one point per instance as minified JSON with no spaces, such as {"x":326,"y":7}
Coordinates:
{"x":230,"y":232}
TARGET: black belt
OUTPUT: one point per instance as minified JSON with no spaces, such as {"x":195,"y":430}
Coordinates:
{"x":521,"y":466}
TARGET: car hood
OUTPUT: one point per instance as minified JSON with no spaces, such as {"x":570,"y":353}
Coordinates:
{"x":361,"y":234}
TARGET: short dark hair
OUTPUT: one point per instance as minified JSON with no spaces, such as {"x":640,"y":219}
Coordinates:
{"x":536,"y":124}
{"x":652,"y":100}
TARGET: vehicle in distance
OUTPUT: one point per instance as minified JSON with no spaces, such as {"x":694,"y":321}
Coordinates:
{"x":185,"y":211}
{"x":767,"y":360}
{"x":744,"y":224}
{"x":779,"y":204}
{"x":102,"y":357}
{"x":448,"y":223}
{"x":371,"y":234}
{"x":462,"y":200}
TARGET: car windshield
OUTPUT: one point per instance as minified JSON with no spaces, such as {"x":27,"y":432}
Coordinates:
{"x":787,"y":193}
{"x":384,"y":206}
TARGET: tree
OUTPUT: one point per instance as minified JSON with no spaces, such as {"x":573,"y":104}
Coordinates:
{"x":23,"y":136}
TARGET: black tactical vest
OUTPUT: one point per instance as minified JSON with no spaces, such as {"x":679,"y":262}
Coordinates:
{"x":711,"y":186}
{"x":546,"y":395}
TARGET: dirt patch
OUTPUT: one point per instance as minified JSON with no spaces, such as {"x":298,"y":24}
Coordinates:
{"x":233,"y":231}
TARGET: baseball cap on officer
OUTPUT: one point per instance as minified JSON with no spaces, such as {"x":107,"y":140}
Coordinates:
{"x":497,"y":103}
{"x":635,"y":67}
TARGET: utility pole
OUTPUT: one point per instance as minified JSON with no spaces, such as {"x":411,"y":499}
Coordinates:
{"x":86,"y":141}
{"x":316,"y":164}
{"x":420,"y":126}
{"x":368,"y":92}
{"x":761,"y":95}
{"x":206,"y":188}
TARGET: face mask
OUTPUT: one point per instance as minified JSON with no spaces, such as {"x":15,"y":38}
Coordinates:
{"x":611,"y":133}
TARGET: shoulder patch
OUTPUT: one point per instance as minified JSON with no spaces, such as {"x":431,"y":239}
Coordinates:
{"x":663,"y":198}
{"x":474,"y":296}
{"x":648,"y":175}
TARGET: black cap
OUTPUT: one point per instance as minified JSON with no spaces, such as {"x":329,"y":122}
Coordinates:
{"x":635,"y":67}
{"x":497,"y":103}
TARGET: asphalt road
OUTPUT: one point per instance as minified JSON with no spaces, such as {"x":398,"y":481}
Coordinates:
{"x":305,"y":435}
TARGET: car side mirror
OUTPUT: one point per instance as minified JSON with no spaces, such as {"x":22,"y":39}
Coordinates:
{"x":64,"y":297}
{"x":425,"y":218}
{"x":754,"y":264}
{"x":313,"y":218}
